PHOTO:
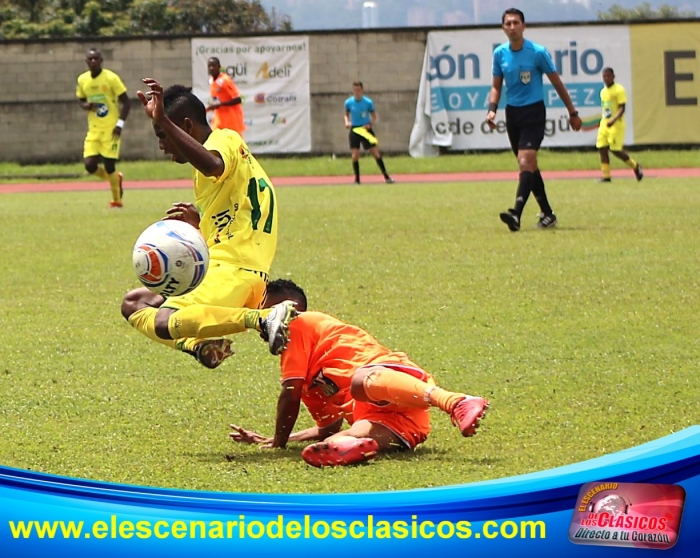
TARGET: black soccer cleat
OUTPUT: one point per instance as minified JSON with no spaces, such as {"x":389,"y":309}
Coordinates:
{"x":511,"y":219}
{"x":638,"y":173}
{"x":546,"y":221}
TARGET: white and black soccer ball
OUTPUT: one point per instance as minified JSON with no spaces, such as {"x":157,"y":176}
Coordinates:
{"x":171,"y":258}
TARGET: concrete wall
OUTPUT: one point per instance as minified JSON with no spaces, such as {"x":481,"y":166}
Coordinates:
{"x":40,"y":119}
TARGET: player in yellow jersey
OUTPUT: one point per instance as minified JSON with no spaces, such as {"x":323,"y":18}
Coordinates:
{"x":237,"y":216}
{"x":611,"y":132}
{"x":102,"y":93}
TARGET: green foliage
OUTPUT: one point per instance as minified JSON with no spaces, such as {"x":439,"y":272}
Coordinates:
{"x":582,"y":337}
{"x":28,"y":19}
{"x":643,"y":12}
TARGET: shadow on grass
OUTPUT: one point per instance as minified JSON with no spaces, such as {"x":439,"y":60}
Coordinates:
{"x":259,"y":456}
{"x":293,"y":455}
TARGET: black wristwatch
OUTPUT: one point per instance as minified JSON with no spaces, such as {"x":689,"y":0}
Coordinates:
{"x":572,"y":114}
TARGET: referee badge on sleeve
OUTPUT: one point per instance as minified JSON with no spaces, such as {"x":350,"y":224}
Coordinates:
{"x":525,"y":76}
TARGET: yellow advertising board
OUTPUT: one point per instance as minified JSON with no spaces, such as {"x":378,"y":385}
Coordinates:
{"x":666,"y":76}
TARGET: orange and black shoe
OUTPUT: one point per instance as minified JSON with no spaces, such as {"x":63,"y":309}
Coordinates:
{"x":467,"y":414}
{"x":212,"y":352}
{"x":343,"y":451}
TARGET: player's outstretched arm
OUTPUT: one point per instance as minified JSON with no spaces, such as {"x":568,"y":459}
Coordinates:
{"x":560,"y":88}
{"x":182,"y":211}
{"x":288,"y":406}
{"x":494,"y":98}
{"x":205,"y":161}
{"x":244,"y":436}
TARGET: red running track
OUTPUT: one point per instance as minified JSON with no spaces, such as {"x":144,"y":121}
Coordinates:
{"x":282,"y":181}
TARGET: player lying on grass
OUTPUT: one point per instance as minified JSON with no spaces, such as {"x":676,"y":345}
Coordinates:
{"x":338,"y":371}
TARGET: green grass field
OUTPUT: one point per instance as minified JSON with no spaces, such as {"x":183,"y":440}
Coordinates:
{"x":328,"y":166}
{"x":584,"y":338}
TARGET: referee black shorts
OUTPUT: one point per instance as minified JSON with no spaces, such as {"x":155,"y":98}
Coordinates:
{"x":525,"y":126}
{"x":356,"y":140}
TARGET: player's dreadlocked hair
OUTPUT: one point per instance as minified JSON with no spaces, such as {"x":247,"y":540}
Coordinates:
{"x":181,"y":103}
{"x":284,"y":288}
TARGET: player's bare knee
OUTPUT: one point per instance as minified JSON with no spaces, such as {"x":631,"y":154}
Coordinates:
{"x":110,"y":165}
{"x":357,"y":383}
{"x":91,"y":167}
{"x":161,"y":325}
{"x":137,"y":299}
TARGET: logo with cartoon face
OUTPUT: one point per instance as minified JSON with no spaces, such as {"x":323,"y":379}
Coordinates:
{"x":102,"y":110}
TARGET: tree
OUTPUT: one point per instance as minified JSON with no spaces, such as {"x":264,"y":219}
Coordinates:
{"x":26,"y":19}
{"x":643,"y":12}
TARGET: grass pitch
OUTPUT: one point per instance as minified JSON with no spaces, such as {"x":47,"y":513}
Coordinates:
{"x":584,"y":338}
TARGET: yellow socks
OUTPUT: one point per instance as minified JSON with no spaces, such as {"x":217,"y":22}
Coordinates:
{"x":445,"y":400}
{"x":605,"y":167}
{"x":403,"y":389}
{"x":101,"y":173}
{"x":114,"y":185}
{"x":144,"y":320}
{"x":202,"y":321}
{"x":631,"y":163}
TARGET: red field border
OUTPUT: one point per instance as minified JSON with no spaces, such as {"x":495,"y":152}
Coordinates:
{"x":281,"y":181}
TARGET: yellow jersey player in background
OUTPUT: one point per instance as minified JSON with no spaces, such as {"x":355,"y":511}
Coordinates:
{"x":611,"y":132}
{"x":237,"y":215}
{"x":102,"y":93}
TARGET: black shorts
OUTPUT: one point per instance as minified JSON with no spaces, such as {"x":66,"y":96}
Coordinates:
{"x":356,"y":140}
{"x":525,"y":126}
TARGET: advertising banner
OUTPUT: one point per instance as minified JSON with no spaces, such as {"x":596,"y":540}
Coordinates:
{"x":666,"y":71}
{"x":272,"y":75}
{"x":457,"y":75}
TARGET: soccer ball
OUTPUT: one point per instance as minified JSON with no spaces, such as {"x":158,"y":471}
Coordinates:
{"x":170,"y":258}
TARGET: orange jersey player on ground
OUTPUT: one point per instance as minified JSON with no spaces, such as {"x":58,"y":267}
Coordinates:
{"x":340,"y":372}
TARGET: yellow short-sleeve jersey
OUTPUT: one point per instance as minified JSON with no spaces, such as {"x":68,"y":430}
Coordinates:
{"x":104,"y":90}
{"x":238,"y":210}
{"x":611,"y":98}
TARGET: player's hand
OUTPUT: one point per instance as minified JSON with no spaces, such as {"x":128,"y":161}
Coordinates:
{"x":152,"y":100}
{"x":181,"y":211}
{"x":243,"y":436}
{"x":610,"y":123}
{"x":575,"y":122}
{"x":491,"y":119}
{"x":117,"y":132}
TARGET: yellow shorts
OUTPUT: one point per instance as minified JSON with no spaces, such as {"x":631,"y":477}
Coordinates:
{"x":102,"y":144}
{"x":614,"y":137}
{"x":225,"y":285}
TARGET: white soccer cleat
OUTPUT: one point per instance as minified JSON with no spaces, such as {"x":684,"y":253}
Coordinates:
{"x":275,"y":326}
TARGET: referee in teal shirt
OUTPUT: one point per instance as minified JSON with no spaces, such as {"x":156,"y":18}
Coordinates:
{"x":359,"y":117}
{"x":521,"y":64}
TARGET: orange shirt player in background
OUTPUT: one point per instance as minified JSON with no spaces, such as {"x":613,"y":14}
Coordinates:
{"x":339,"y":371}
{"x":226,"y":100}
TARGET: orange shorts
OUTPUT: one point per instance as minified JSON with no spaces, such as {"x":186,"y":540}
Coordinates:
{"x":411,"y":425}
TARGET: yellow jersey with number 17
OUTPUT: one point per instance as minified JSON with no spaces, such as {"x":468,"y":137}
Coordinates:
{"x":104,"y":90}
{"x":611,"y":98}
{"x":238,"y":210}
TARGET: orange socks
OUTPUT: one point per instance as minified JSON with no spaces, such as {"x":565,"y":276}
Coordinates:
{"x":383,"y":384}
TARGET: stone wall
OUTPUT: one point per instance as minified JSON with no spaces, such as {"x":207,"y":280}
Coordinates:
{"x":40,"y":119}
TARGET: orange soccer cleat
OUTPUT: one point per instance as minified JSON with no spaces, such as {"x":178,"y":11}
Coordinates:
{"x":467,"y":414}
{"x":344,"y":451}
